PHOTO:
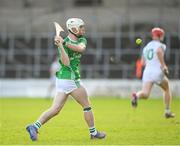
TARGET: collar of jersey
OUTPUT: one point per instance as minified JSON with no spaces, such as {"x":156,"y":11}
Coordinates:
{"x":72,"y":40}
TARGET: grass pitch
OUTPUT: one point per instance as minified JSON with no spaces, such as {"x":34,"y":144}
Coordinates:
{"x":115,"y":116}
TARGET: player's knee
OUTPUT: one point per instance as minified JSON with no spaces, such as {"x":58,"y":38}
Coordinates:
{"x":166,"y":88}
{"x":87,"y":109}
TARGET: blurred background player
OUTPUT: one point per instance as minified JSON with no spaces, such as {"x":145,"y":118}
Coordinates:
{"x":68,"y":79}
{"x":55,"y":66}
{"x":139,"y":68}
{"x":156,"y":71}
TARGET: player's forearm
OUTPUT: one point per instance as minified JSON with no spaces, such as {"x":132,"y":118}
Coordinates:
{"x":161,"y":59}
{"x":64,"y":57}
{"x":77,"y":48}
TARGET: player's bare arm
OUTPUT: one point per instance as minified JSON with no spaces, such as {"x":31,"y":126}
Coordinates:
{"x":160,"y":54}
{"x":64,"y":57}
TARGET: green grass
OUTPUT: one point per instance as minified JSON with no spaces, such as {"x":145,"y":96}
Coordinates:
{"x":123,"y":125}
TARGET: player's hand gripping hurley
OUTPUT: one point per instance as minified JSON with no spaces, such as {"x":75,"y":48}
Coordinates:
{"x":58,"y":39}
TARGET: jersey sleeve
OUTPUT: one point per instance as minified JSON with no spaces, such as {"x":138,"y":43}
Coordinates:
{"x":163,"y":46}
{"x":82,"y":41}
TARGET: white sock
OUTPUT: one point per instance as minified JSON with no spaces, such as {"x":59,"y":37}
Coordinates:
{"x":37,"y":124}
{"x":93,"y":131}
{"x":167,"y":110}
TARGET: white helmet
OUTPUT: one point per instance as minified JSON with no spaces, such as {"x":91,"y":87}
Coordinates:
{"x":73,"y":24}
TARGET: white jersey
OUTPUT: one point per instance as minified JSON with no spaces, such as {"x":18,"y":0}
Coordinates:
{"x":150,"y":54}
{"x":153,"y":71}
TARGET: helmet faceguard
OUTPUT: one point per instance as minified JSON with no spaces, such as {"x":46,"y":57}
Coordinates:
{"x":73,"y":25}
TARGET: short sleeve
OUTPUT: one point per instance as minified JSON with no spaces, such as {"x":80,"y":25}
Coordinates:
{"x":163,"y":46}
{"x":82,"y":40}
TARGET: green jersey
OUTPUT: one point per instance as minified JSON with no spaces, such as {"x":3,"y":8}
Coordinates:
{"x":72,"y":71}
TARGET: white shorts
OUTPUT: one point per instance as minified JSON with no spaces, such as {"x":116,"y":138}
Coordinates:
{"x":67,"y":86}
{"x":53,"y":79}
{"x":153,"y":75}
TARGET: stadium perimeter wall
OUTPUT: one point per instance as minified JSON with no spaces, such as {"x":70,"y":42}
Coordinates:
{"x":96,"y":87}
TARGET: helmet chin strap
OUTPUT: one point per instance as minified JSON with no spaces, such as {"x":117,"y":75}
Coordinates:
{"x":75,"y":34}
